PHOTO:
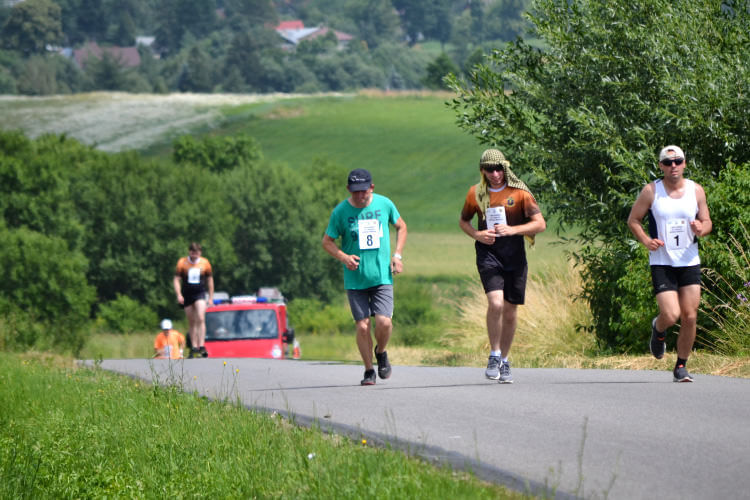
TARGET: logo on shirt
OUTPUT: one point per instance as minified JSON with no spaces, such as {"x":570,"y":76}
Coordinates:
{"x":510,"y":202}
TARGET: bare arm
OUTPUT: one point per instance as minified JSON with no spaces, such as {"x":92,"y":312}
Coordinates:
{"x":702,"y":224}
{"x":637,"y":213}
{"x":177,"y":284}
{"x":536,"y":225}
{"x":350,"y":261}
{"x":397,"y":266}
{"x":486,"y":237}
{"x":210,"y":283}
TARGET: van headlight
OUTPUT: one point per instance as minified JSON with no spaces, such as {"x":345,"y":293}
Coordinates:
{"x":276,"y":352}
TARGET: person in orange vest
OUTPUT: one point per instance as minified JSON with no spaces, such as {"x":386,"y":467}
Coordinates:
{"x":169,"y":343}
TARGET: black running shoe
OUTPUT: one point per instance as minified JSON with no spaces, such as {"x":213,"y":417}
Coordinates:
{"x":194,"y":353}
{"x":657,"y":344}
{"x":204,"y":352}
{"x":369,"y":378}
{"x":384,"y":367}
{"x":681,"y":374}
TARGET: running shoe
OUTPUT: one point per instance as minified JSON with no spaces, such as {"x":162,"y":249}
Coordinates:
{"x":204,"y":352}
{"x":505,"y":376}
{"x":369,"y":378}
{"x":657,"y":344}
{"x":384,"y":367}
{"x":493,"y":368}
{"x":681,"y":374}
{"x":194,"y":353}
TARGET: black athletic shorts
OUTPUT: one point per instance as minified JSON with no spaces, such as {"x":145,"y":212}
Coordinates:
{"x":191,"y":299}
{"x":512,"y":283}
{"x":668,"y":278}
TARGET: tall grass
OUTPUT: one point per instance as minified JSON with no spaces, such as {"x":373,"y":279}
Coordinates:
{"x":552,"y":325}
{"x":85,"y":433}
{"x":728,"y":306}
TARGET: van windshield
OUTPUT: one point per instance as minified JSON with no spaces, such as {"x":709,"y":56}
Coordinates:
{"x":246,"y":324}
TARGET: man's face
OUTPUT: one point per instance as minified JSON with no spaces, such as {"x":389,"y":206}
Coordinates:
{"x":673,"y":166}
{"x":361,"y":198}
{"x":194,"y":255}
{"x":495,"y":175}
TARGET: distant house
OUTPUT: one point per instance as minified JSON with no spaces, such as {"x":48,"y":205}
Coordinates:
{"x":294,"y":32}
{"x":128,"y":57}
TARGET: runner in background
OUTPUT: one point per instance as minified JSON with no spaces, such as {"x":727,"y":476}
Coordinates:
{"x":169,"y":343}
{"x":193,"y":277}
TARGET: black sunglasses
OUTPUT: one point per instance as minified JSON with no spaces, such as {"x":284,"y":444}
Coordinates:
{"x":668,"y":162}
{"x":492,"y":168}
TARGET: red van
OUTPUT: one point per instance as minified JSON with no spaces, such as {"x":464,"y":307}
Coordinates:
{"x":250,"y":326}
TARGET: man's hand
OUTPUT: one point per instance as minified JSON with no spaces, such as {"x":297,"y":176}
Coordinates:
{"x":351,"y":262}
{"x":653,"y":244}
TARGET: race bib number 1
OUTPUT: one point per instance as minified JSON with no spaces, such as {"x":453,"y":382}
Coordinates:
{"x":678,"y":234}
{"x":369,"y":234}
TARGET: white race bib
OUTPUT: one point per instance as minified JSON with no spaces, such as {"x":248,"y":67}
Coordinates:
{"x":496,"y":215}
{"x":369,"y":234}
{"x":194,"y":275}
{"x":678,"y":234}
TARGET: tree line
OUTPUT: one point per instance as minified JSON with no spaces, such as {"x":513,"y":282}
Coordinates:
{"x":87,"y":235}
{"x":231,"y":46}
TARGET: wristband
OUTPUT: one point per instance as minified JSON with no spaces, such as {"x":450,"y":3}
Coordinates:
{"x":397,"y":256}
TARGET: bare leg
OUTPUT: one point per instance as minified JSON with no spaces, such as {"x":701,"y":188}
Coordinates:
{"x":494,"y":318}
{"x":690,"y":297}
{"x":509,"y":321}
{"x":364,"y":342}
{"x":192,"y":329}
{"x":669,"y":309}
{"x":199,"y":312}
{"x":383,"y":329}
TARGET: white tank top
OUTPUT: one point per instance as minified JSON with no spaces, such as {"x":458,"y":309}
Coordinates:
{"x":669,"y":220}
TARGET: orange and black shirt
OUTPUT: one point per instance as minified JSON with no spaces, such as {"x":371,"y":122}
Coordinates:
{"x":193,"y":275}
{"x":507,"y":252}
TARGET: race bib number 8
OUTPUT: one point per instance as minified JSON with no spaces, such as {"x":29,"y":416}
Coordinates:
{"x":678,"y":234}
{"x":369,"y":234}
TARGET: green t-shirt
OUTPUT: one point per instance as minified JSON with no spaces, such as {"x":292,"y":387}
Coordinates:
{"x":369,"y":240}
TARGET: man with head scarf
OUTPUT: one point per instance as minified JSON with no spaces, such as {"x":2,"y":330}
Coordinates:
{"x":507,"y":212}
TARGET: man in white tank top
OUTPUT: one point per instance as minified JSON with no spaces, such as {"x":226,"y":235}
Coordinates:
{"x":677,"y":215}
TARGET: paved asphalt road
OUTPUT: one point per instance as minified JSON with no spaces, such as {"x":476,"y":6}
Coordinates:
{"x":587,"y":433}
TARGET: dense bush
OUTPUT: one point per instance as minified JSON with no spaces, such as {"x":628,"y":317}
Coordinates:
{"x":44,"y":295}
{"x":125,"y":315}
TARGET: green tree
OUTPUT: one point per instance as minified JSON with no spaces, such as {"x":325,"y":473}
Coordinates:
{"x":375,"y":20}
{"x":32,"y":25}
{"x":437,"y":70}
{"x":279,"y":222}
{"x":584,"y":120}
{"x":44,"y":295}
{"x":196,"y":75}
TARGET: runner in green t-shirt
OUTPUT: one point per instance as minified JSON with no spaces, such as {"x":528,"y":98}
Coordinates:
{"x":362,"y":221}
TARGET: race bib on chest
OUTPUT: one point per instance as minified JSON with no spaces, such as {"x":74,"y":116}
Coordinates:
{"x":496,"y":215}
{"x":194,"y":275}
{"x":678,"y":234}
{"x":369,"y":234}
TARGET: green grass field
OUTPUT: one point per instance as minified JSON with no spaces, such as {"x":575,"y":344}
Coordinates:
{"x":84,"y":433}
{"x":417,"y":155}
